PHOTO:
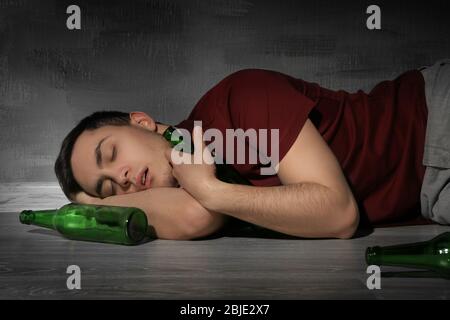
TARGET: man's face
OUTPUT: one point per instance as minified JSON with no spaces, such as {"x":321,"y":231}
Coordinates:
{"x":121,"y":159}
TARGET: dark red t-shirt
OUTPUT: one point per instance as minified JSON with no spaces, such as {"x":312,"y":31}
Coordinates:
{"x":377,"y":137}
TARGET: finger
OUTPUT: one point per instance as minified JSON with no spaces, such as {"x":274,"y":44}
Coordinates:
{"x":198,"y":138}
{"x":198,"y":145}
{"x":207,"y":156}
{"x":202,"y":154}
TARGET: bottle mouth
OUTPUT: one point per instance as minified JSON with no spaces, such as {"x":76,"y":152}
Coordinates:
{"x":26,"y":216}
{"x":137,"y":226}
{"x":372,"y":255}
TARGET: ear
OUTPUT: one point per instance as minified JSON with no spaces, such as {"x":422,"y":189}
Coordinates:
{"x":142,"y":119}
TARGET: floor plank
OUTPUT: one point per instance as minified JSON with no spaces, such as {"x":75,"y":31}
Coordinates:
{"x":31,"y":195}
{"x":33,"y":263}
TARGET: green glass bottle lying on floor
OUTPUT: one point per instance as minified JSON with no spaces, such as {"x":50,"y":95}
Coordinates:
{"x":433,"y":255}
{"x":224,"y":171}
{"x":110,"y":224}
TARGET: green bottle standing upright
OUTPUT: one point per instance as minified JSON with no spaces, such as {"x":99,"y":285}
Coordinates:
{"x":433,"y":255}
{"x":224,"y":171}
{"x":111,"y":224}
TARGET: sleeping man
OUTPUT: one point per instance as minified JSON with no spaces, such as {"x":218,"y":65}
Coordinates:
{"x":335,"y":157}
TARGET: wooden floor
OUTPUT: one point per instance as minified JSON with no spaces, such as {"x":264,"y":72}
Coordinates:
{"x":33,"y":263}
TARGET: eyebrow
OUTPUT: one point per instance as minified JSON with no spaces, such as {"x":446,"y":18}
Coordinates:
{"x":98,"y":153}
{"x":98,"y":160}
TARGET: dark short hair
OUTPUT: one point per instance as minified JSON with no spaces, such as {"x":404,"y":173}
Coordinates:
{"x":63,"y":168}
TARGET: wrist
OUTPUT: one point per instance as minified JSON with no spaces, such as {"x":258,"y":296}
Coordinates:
{"x":211,"y":194}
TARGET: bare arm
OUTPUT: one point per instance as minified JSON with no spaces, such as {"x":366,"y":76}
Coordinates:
{"x":172,"y":212}
{"x":314,"y":200}
{"x":303,"y":209}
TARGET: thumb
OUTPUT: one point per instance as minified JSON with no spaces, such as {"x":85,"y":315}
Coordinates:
{"x":197,"y":138}
{"x":199,"y":144}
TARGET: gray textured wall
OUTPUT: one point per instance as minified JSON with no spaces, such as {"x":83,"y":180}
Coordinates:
{"x":161,"y":56}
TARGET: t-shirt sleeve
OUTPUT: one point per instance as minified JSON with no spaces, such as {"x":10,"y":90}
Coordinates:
{"x":262,"y":99}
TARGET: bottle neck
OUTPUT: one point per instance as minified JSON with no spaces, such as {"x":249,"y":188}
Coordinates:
{"x":167,"y":134}
{"x":408,"y":255}
{"x":41,"y":218}
{"x":174,"y":137}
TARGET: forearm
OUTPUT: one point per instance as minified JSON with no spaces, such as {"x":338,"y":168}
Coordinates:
{"x":172,"y":212}
{"x":304,"y":210}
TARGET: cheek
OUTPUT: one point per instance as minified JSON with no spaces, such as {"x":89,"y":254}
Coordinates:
{"x":132,"y":153}
{"x":143,"y":148}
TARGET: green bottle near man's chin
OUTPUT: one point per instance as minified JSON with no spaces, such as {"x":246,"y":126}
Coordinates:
{"x":224,"y":172}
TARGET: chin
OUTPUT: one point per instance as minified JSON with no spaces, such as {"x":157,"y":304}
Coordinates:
{"x":173,"y":182}
{"x":168,"y":181}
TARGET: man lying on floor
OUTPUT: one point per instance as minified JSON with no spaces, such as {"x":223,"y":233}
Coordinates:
{"x":339,"y":156}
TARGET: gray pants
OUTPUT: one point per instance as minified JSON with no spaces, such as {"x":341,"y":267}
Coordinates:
{"x":435,"y":192}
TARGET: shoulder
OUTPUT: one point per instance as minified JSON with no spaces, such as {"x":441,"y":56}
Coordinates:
{"x":247,"y":79}
{"x":254,"y":75}
{"x":258,"y":84}
{"x":245,"y":82}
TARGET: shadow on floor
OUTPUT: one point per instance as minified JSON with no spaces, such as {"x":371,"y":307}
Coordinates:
{"x":237,"y":229}
{"x":46,"y":232}
{"x":243,"y":229}
{"x":252,"y":231}
{"x":54,"y":233}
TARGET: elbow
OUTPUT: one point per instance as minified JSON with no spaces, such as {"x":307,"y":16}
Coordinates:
{"x":201,"y":223}
{"x":348,"y":222}
{"x":196,"y":222}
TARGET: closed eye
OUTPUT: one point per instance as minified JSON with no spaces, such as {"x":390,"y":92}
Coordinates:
{"x":113,"y":157}
{"x":113,"y":191}
{"x":114,"y":154}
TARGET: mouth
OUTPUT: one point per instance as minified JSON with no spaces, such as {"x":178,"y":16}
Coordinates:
{"x":143,"y":179}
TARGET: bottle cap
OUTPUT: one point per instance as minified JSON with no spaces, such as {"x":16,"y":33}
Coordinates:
{"x":372,"y":255}
{"x":26,"y":216}
{"x":137,"y":226}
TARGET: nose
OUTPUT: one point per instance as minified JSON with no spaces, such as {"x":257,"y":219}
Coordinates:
{"x":124,"y":176}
